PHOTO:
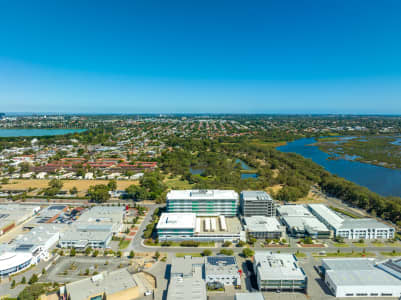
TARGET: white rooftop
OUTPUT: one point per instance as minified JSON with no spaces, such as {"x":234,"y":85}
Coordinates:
{"x":177,"y":221}
{"x":262,"y":224}
{"x":277,"y":266}
{"x":293,"y":210}
{"x":202,"y":194}
{"x":329,"y":215}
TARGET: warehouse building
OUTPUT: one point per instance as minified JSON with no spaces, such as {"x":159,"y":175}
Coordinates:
{"x":186,"y":280}
{"x":12,"y":215}
{"x":278,"y":272}
{"x":349,"y":228}
{"x":187,"y":226}
{"x":46,"y":216}
{"x":117,"y":284}
{"x":262,"y":227}
{"x":300,"y":222}
{"x":223,"y":270}
{"x":257,"y":203}
{"x":203,"y":202}
{"x":360,"y":277}
{"x":94,"y":228}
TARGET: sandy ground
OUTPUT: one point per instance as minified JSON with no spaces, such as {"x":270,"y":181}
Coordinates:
{"x":81,"y":185}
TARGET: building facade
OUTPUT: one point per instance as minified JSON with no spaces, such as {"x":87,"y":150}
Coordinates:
{"x":349,"y":228}
{"x":222,"y":269}
{"x":257,"y":203}
{"x":278,"y":272}
{"x":203,"y":202}
{"x":262,"y":227}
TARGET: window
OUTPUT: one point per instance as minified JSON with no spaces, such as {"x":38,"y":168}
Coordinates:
{"x":349,"y":295}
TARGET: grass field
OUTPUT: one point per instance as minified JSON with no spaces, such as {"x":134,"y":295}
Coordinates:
{"x":340,"y":245}
{"x":176,"y":183}
{"x":390,"y":253}
{"x":346,"y":254}
{"x":81,"y":185}
{"x":188,"y":254}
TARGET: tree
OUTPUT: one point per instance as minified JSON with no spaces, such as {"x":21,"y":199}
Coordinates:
{"x":55,"y":183}
{"x":241,"y":244}
{"x":227,"y":244}
{"x":23,"y":280}
{"x":112,"y":185}
{"x":119,"y":254}
{"x":247,"y":252}
{"x":157,"y":255}
{"x":24,"y":167}
{"x":228,"y":252}
{"x":34,"y":278}
{"x":99,"y":193}
{"x":88,"y":251}
{"x":73,"y":252}
{"x":43,"y":271}
{"x":13,"y":284}
{"x":206,"y":252}
{"x":132,"y":254}
{"x":74,"y":190}
{"x":95,"y":253}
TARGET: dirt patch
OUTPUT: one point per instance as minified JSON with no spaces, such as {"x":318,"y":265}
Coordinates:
{"x":81,"y":185}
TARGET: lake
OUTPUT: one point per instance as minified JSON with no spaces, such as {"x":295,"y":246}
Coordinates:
{"x":384,"y":181}
{"x":36,"y":132}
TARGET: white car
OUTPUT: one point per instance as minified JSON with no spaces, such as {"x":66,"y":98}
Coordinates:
{"x":148,"y":293}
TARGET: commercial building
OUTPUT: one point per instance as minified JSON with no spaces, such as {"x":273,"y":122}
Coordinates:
{"x":279,"y":272}
{"x":46,"y":216}
{"x":349,"y":228}
{"x":186,"y":288}
{"x":115,"y":285}
{"x":187,"y":266}
{"x":262,"y":227}
{"x":187,"y":279}
{"x":13,"y":262}
{"x":359,"y":277}
{"x":12,"y":215}
{"x":179,"y":225}
{"x":222,"y":269}
{"x":300,"y":222}
{"x":257,"y":203}
{"x":203,"y":202}
{"x":187,"y":226}
{"x":94,"y":228}
{"x":26,"y":250}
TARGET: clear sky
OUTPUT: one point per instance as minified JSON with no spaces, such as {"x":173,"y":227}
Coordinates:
{"x":145,"y":56}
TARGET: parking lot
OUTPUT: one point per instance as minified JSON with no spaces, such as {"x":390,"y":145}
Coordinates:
{"x":68,"y":269}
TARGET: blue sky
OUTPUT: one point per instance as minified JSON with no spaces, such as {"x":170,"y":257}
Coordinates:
{"x":201,"y":56}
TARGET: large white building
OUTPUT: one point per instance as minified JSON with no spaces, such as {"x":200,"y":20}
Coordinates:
{"x":351,"y":228}
{"x":360,"y":277}
{"x":187,"y":226}
{"x":222,"y":269}
{"x":203,"y":202}
{"x":301,"y":222}
{"x":262,"y":227}
{"x":278,"y":271}
{"x":94,"y":228}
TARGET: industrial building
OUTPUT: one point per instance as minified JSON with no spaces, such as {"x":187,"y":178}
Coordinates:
{"x":26,"y":250}
{"x":203,"y":202}
{"x":94,"y":228}
{"x":278,"y":272}
{"x":12,"y":215}
{"x":262,"y":227}
{"x":187,"y":266}
{"x":118,"y":284}
{"x":257,"y":203}
{"x":300,"y":222}
{"x":187,"y":226}
{"x":47,"y":215}
{"x":361,"y":277}
{"x":186,"y":280}
{"x":222,"y":269}
{"x":349,"y":228}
